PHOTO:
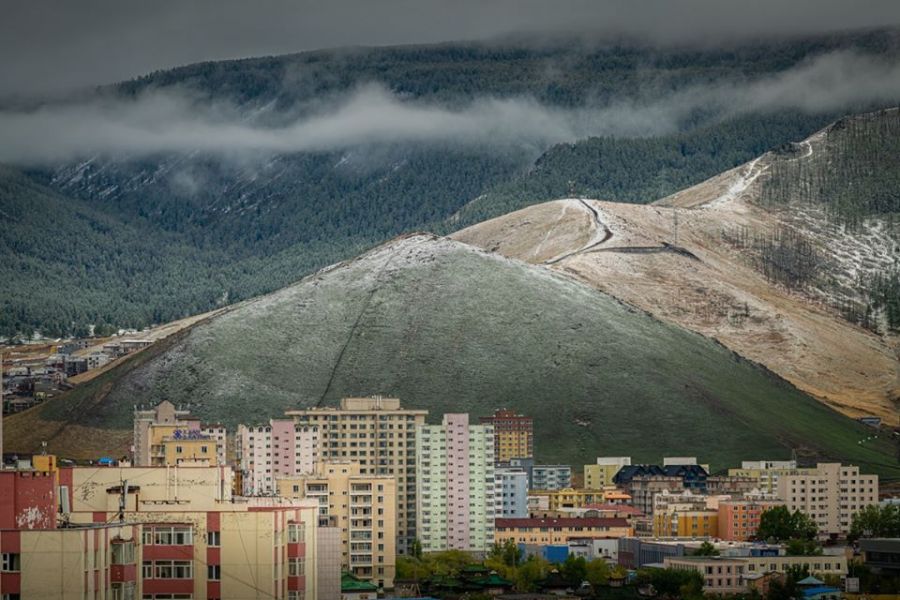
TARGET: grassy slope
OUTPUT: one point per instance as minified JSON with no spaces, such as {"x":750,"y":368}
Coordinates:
{"x":448,"y":328}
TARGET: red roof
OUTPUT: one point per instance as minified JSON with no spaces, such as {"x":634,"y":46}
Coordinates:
{"x":561,"y":522}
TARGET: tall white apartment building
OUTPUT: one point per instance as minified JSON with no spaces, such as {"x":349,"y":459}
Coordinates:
{"x":831,"y":495}
{"x":455,"y":472}
{"x":276,"y":450}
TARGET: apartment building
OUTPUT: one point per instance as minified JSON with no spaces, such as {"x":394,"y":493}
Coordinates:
{"x":831,"y":495}
{"x":513,"y":435}
{"x":568,"y":498}
{"x":551,"y":477}
{"x":150,"y":532}
{"x":279,"y":449}
{"x":730,"y":575}
{"x":362,"y":508}
{"x":97,"y":560}
{"x":510,"y":493}
{"x":559,"y":530}
{"x":766,"y":473}
{"x":739,"y":518}
{"x":165,"y":435}
{"x":455,"y":474}
{"x":601,"y":474}
{"x":196,"y":539}
{"x":380,"y":435}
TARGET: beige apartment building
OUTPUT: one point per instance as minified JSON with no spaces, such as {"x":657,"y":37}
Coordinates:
{"x":196,"y":539}
{"x":165,"y":435}
{"x":831,"y":495}
{"x":363,"y":508}
{"x":380,"y":435}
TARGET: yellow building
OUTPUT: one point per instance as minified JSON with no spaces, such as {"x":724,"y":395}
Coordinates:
{"x":513,"y":435}
{"x":362,"y":507}
{"x":197,"y":539}
{"x":566,"y":498}
{"x":601,"y":473}
{"x":558,"y":530}
{"x":686,"y":520}
{"x":165,"y":435}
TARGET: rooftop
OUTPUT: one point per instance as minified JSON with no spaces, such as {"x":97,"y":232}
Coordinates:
{"x":562,"y":522}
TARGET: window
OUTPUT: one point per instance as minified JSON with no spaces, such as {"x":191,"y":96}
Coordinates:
{"x":173,"y":536}
{"x":213,"y":572}
{"x":296,"y":595}
{"x":122,"y":553}
{"x":172,"y":569}
{"x":147,"y":569}
{"x":11,"y":563}
{"x":122,"y":591}
{"x":212,"y":538}
{"x":296,"y":567}
{"x":296,"y":532}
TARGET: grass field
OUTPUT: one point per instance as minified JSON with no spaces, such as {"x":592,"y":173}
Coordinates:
{"x":449,"y":328}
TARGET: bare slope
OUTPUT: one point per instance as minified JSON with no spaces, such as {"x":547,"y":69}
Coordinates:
{"x":696,"y":269}
{"x":448,"y":327}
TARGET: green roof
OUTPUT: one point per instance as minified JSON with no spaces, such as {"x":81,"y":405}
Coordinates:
{"x":352,"y":583}
{"x":493,"y":580}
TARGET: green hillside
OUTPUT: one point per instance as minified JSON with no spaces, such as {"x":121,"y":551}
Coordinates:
{"x":449,"y":328}
{"x":218,"y":230}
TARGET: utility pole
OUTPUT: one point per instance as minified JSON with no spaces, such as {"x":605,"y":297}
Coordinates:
{"x":675,"y":219}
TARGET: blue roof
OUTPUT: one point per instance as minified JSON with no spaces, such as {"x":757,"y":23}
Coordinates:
{"x":821,"y":589}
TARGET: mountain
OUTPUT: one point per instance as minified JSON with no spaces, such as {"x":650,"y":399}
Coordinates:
{"x":791,"y":260}
{"x":218,"y":229}
{"x":449,"y":327}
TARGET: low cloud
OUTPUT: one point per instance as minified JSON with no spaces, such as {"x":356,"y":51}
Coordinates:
{"x":167,"y":122}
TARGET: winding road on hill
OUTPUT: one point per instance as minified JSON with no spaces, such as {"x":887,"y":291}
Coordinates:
{"x":601,"y":235}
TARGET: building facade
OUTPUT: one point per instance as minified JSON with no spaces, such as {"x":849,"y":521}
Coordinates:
{"x":280,"y":449}
{"x":739,"y":519}
{"x":510,"y":493}
{"x":551,"y":477}
{"x":513,"y":435}
{"x":601,"y":474}
{"x":728,"y":575}
{"x":558,"y":530}
{"x":165,"y":435}
{"x":455,"y":473}
{"x":362,"y":508}
{"x":197,"y":540}
{"x":381,"y":436}
{"x":831,"y":495}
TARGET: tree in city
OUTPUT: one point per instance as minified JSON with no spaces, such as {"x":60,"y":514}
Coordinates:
{"x":778,"y":524}
{"x":706,"y":549}
{"x":876,"y":521}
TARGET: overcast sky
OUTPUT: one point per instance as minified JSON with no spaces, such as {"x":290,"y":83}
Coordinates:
{"x":50,"y":45}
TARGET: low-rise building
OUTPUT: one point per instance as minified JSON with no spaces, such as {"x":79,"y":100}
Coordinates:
{"x":568,"y":498}
{"x":558,"y":531}
{"x":363,"y":508}
{"x":729,"y":575}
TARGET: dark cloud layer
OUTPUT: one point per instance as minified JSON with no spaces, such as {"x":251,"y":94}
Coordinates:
{"x":50,"y":45}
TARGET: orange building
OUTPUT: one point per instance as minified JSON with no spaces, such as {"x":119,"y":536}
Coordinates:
{"x":513,"y":435}
{"x":739,"y":519}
